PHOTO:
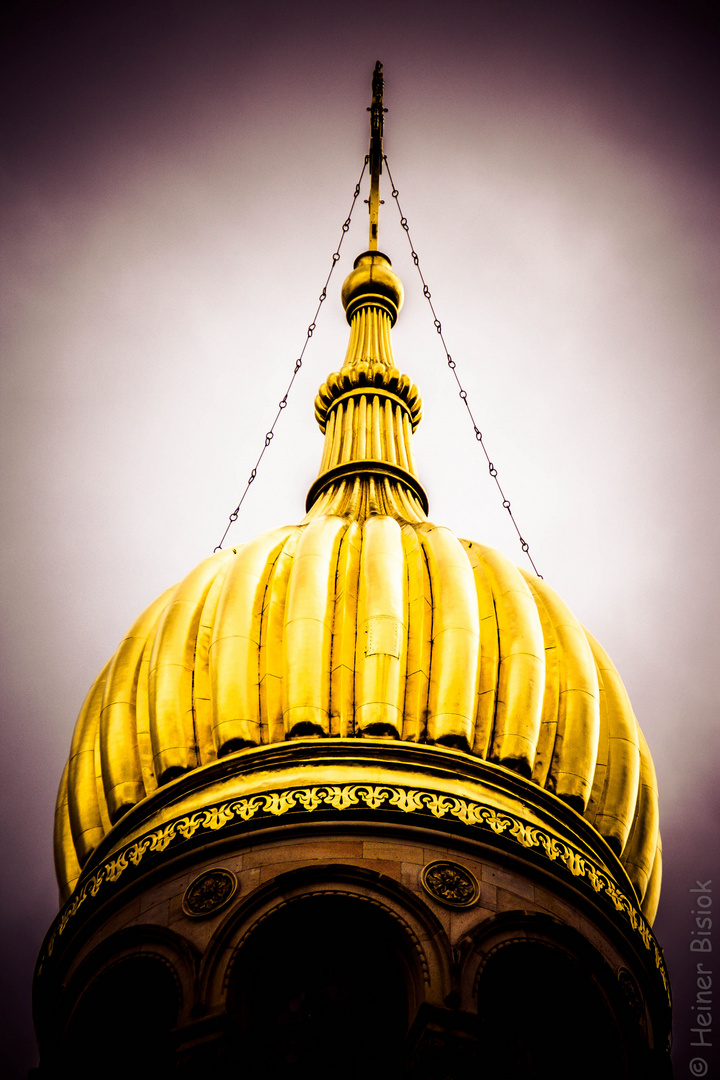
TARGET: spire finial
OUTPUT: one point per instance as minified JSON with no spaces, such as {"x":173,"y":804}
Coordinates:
{"x":368,"y":410}
{"x":376,"y":111}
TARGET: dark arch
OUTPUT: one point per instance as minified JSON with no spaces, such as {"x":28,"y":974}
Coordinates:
{"x":121,"y":1024}
{"x":320,"y":988}
{"x":419,"y":935}
{"x":542,"y":1014}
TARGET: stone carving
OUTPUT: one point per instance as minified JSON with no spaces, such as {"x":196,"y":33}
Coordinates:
{"x":451,"y":884}
{"x":631,"y":994}
{"x":209,"y":892}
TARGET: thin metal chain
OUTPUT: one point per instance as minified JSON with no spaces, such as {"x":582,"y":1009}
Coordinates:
{"x":453,"y":367}
{"x":282,"y":404}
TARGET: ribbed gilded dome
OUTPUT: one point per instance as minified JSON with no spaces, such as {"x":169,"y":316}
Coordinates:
{"x":366,"y":620}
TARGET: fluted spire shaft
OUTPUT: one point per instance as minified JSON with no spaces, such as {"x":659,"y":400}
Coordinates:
{"x":369,"y":410}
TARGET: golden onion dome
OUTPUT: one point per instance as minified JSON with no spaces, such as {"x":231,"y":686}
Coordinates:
{"x":364,"y":621}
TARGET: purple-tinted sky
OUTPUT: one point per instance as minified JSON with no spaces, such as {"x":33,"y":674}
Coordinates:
{"x":174,"y":178}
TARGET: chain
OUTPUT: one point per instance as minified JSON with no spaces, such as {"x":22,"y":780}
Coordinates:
{"x":282,"y":404}
{"x":453,"y":367}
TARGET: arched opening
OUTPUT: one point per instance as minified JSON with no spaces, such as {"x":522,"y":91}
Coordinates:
{"x":321,"y":989}
{"x":121,"y":1025}
{"x":541,"y":1015}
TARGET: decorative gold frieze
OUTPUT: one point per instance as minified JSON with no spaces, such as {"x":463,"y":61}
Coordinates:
{"x":376,"y":797}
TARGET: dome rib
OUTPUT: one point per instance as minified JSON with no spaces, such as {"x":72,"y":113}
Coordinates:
{"x":202,"y":689}
{"x":86,"y":825}
{"x":549,"y":716}
{"x":652,"y":893}
{"x":489,"y":655}
{"x":142,"y":719}
{"x":600,"y":779}
{"x":118,"y":742}
{"x":572,"y":766}
{"x":381,"y":649}
{"x":233,"y":652}
{"x":170,"y":680}
{"x":118,"y":731}
{"x":270,"y":658}
{"x":67,"y":867}
{"x":454,"y":667}
{"x":615,"y":807}
{"x":641,"y":849}
{"x":521,"y":673}
{"x":308,"y":629}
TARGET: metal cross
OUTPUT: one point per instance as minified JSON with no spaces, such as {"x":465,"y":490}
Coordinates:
{"x":376,"y":151}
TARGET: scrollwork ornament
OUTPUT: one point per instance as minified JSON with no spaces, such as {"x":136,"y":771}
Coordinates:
{"x":450,"y":883}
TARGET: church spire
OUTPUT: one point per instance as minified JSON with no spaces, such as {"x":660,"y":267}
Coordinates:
{"x":376,"y":111}
{"x":368,"y":410}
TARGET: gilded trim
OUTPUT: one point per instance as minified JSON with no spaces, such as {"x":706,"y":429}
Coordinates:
{"x":371,"y":390}
{"x":372,"y":467}
{"x":372,"y":300}
{"x":273,"y":804}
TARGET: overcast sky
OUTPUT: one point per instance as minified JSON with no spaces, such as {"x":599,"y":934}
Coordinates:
{"x":174,"y":178}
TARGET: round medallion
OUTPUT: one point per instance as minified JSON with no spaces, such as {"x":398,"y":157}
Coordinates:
{"x":631,"y":994}
{"x":209,"y":892}
{"x":451,"y":884}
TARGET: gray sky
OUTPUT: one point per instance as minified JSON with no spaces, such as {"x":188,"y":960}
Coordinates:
{"x":174,"y":178}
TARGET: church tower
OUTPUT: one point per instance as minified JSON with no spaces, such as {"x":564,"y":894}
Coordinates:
{"x":357,"y":798}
